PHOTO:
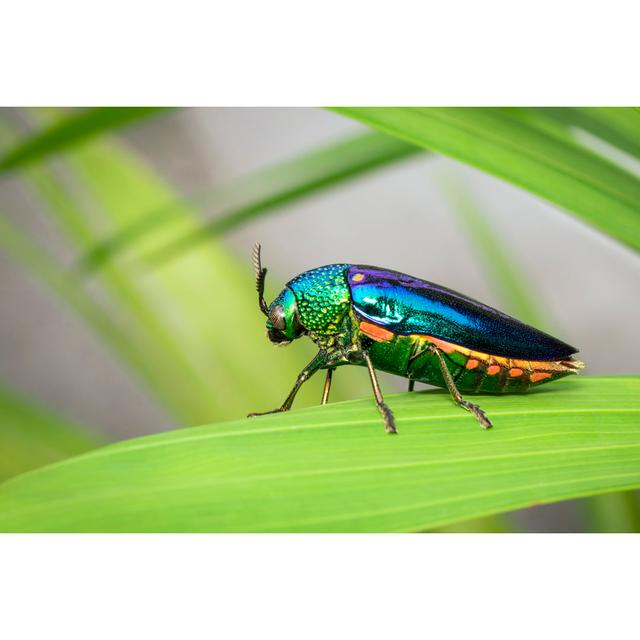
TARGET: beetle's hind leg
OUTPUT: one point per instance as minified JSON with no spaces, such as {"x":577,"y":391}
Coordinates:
{"x":479,"y":414}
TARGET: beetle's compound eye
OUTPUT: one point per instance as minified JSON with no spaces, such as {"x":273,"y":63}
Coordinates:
{"x":276,"y":317}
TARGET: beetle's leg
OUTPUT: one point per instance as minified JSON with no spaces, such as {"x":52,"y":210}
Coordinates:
{"x":327,"y":386}
{"x":412,"y":384}
{"x":387,"y":416}
{"x":305,"y":374}
{"x":485,"y":423}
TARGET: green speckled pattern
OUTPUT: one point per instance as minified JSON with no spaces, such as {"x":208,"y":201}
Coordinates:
{"x":323,"y":297}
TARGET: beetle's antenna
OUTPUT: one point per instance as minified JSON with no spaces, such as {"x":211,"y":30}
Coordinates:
{"x":260,"y":276}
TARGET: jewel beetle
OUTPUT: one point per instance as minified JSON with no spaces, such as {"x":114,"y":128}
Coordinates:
{"x":390,"y":321}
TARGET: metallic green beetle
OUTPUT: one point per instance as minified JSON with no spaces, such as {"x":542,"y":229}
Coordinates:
{"x":386,"y":320}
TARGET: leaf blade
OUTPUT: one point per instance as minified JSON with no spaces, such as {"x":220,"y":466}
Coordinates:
{"x":619,"y":126}
{"x":71,"y":130}
{"x":32,"y":436}
{"x":333,"y":469}
{"x":503,"y":144}
{"x":260,"y":193}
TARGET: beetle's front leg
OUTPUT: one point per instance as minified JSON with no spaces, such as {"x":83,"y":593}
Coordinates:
{"x":317,"y":363}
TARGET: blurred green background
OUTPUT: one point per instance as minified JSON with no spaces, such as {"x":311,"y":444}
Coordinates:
{"x":120,"y":316}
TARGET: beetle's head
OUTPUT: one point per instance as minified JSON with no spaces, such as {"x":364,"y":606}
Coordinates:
{"x":283,"y":320}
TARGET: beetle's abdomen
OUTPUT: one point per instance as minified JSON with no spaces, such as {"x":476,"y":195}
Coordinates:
{"x":473,"y":371}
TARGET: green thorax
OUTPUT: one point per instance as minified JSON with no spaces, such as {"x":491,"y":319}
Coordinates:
{"x":323,"y":298}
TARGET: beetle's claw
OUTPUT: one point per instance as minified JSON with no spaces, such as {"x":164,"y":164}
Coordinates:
{"x":387,"y":416}
{"x":479,"y":414}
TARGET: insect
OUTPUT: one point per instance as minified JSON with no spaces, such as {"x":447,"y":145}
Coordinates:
{"x":386,"y":320}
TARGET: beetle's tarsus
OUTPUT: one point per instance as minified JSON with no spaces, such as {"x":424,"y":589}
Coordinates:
{"x":266,"y":413}
{"x":479,"y":414}
{"x":387,"y":416}
{"x":385,"y":412}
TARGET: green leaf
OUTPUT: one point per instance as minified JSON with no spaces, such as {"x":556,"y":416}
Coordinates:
{"x":526,"y":151}
{"x":619,"y":126}
{"x":77,"y":127}
{"x":332,"y":468}
{"x":32,"y":436}
{"x":257,"y":194}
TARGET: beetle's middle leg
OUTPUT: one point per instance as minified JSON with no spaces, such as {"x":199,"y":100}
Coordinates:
{"x":317,"y":363}
{"x":480,"y":415}
{"x":327,"y":386}
{"x":387,"y":415}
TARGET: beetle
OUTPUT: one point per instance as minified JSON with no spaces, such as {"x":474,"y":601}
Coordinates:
{"x":394,"y":322}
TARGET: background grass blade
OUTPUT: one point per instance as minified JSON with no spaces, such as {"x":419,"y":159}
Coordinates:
{"x":32,"y":436}
{"x":526,"y":153}
{"x":167,"y":326}
{"x":71,"y":130}
{"x":332,"y":468}
{"x":257,"y":194}
{"x":619,"y":126}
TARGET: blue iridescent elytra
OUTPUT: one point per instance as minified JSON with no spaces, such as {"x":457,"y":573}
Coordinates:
{"x":393,"y":322}
{"x":407,"y":305}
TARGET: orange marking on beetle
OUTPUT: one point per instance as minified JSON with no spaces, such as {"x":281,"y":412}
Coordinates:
{"x":493,"y":369}
{"x":514,"y":373}
{"x":375,"y":332}
{"x":539,"y":375}
{"x":472,"y":364}
{"x":358,"y":277}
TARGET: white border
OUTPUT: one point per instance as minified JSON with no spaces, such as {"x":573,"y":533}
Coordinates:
{"x":319,"y":587}
{"x":286,"y":52}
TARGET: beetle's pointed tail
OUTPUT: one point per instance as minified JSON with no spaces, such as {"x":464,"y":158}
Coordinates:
{"x":571,"y":365}
{"x":543,"y":372}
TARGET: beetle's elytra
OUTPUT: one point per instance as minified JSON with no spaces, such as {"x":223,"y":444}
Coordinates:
{"x":409,"y":327}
